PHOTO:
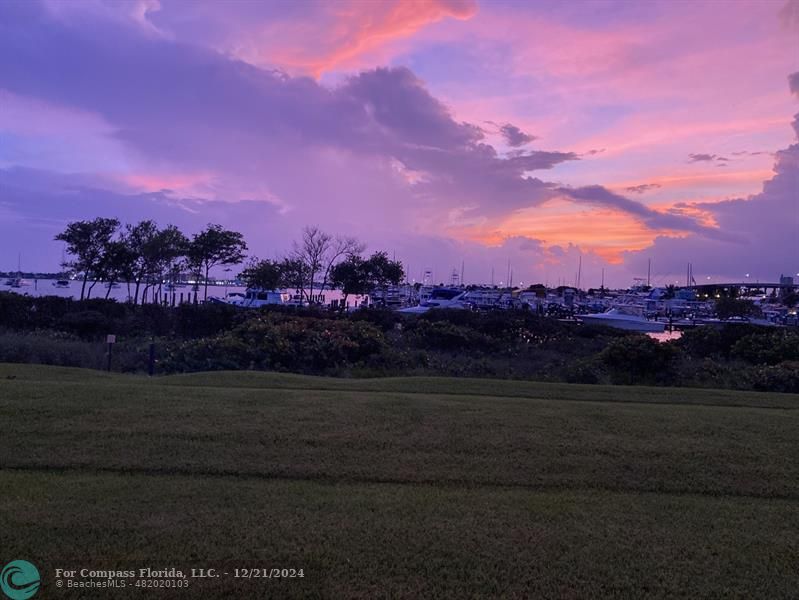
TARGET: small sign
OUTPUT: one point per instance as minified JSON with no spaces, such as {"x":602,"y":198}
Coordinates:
{"x":111,"y":339}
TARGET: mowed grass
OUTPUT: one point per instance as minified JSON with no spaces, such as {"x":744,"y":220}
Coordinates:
{"x":406,"y":487}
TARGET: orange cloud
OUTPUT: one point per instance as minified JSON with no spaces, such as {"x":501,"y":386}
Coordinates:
{"x":347,"y":32}
{"x":149,"y":182}
{"x":715,"y":178}
{"x":605,"y":232}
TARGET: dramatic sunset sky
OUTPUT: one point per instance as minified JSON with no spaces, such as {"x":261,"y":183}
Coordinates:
{"x":442,"y":131}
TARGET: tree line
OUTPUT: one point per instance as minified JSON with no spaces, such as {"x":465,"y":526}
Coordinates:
{"x":145,"y":256}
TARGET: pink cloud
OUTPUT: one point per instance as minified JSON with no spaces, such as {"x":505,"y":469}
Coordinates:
{"x":339,"y":35}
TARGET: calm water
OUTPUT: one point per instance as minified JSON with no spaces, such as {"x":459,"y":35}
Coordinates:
{"x":45,"y":287}
{"x":665,"y":336}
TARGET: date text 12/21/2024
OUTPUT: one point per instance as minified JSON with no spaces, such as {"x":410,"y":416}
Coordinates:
{"x":153,"y":578}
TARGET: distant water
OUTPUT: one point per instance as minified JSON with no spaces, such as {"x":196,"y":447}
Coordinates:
{"x":45,"y":287}
{"x":665,"y":336}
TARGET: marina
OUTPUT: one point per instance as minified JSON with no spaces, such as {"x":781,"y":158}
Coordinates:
{"x":636,"y":309}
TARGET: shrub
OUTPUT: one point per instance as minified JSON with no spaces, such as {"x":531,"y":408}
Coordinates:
{"x":444,"y":335}
{"x":707,"y":340}
{"x":638,"y":359}
{"x":87,"y":323}
{"x":281,"y":342}
{"x":767,"y":347}
{"x":777,"y":378}
{"x":582,"y":371}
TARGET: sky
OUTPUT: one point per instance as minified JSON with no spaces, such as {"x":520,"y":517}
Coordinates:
{"x":453,"y":134}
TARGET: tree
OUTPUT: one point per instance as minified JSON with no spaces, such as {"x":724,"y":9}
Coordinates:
{"x":88,"y":242}
{"x":293,"y":273}
{"x":319,"y":252}
{"x":382,"y":271}
{"x":339,"y":248}
{"x":167,"y":248}
{"x":117,"y":264}
{"x":212,"y":247}
{"x":262,"y":274}
{"x":350,"y":276}
{"x":311,"y":251}
{"x":154,"y":251}
{"x":733,"y":307}
{"x":139,"y":239}
{"x":354,"y":275}
{"x":790,"y":299}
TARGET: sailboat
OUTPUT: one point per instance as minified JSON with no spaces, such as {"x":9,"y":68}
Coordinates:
{"x":17,"y":282}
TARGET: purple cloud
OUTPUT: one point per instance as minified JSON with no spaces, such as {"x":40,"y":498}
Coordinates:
{"x":514,"y":136}
{"x":644,"y":187}
{"x":693,"y":158}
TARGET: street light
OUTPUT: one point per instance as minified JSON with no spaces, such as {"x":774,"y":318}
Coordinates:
{"x":226,"y":280}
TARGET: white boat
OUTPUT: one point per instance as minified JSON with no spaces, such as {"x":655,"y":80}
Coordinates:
{"x":440,"y":298}
{"x":627,"y":317}
{"x":171,"y":287}
{"x":17,"y":282}
{"x":255,"y":298}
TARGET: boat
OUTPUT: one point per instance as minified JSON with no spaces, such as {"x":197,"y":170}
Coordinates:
{"x":440,"y":298}
{"x":254,"y":298}
{"x":61,"y":284}
{"x":395,"y":296}
{"x":628,"y":317}
{"x":112,"y":284}
{"x":17,"y":282}
{"x":716,"y":322}
{"x":171,"y":287}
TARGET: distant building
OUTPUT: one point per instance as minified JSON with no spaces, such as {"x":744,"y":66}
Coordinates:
{"x":788,"y":282}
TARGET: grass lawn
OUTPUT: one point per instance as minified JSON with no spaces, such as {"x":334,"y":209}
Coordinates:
{"x":417,"y":487}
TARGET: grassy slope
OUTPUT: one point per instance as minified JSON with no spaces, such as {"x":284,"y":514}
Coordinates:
{"x":405,"y":486}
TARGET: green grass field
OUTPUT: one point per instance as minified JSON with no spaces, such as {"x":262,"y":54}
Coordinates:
{"x":417,"y":487}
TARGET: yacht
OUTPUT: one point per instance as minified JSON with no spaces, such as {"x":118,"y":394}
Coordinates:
{"x":62,"y":284}
{"x":440,"y":298}
{"x":629,"y":317}
{"x":255,"y":298}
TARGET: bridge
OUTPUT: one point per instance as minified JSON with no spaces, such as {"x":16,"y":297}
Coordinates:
{"x":765,"y":286}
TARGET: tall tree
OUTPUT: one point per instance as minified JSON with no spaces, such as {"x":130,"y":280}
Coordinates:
{"x":339,"y":248}
{"x":311,"y":251}
{"x":262,"y":274}
{"x":117,"y":265}
{"x":88,"y":242}
{"x":383,"y":271}
{"x":356,"y":275}
{"x":320,"y":251}
{"x":212,"y":247}
{"x":293,"y":274}
{"x":351,"y":277}
{"x":167,"y":248}
{"x":139,"y":240}
{"x":154,"y":251}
